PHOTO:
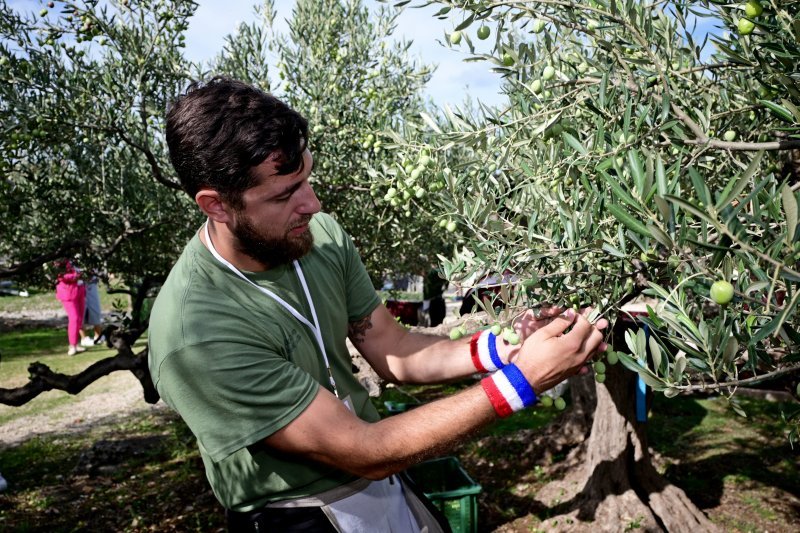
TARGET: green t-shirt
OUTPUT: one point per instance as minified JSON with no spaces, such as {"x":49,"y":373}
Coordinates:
{"x":237,"y":366}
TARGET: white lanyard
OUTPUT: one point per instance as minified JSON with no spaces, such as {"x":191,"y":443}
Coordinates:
{"x":314,"y":327}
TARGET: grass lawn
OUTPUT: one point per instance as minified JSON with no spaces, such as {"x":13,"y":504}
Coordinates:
{"x":46,"y":300}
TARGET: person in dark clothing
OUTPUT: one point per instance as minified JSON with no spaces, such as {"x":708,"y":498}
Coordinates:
{"x":433,"y":287}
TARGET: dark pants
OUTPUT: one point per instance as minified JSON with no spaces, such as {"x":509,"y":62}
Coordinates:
{"x":437,"y":311}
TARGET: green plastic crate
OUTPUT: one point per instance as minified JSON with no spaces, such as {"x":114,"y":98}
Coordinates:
{"x":450,"y":489}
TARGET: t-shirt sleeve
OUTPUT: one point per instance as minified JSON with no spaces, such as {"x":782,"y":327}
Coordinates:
{"x":362,"y":298}
{"x":232,"y":395}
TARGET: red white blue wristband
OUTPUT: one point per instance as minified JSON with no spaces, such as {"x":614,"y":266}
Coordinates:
{"x":483,"y":348}
{"x":508,"y":391}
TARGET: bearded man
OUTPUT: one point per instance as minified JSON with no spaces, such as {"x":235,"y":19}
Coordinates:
{"x":247,"y":338}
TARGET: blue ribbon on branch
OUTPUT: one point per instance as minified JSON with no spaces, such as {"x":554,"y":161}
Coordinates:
{"x":641,"y":386}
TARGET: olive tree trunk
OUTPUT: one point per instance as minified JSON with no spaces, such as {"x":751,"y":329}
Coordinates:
{"x":610,"y":483}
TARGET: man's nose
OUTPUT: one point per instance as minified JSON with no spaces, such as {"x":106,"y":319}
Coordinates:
{"x":309,"y":203}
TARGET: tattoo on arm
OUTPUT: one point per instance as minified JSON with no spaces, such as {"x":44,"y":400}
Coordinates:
{"x":356,"y":330}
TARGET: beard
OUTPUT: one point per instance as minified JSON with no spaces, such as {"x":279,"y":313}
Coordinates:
{"x":270,"y":251}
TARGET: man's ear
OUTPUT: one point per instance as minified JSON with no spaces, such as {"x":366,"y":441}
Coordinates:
{"x":212,"y":205}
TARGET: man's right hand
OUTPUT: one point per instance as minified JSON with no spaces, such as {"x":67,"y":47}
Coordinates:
{"x":549,"y":356}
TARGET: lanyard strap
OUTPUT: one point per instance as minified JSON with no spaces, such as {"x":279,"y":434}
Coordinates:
{"x":294,"y":312}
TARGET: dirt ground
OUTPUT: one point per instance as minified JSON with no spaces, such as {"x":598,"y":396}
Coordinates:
{"x":124,"y":474}
{"x":119,"y":399}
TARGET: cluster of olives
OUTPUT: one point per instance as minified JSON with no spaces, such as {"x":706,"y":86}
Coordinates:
{"x":482,"y":34}
{"x":752,"y":9}
{"x":506,"y":333}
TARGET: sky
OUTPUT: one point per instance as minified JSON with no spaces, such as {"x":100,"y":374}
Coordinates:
{"x":452,"y":80}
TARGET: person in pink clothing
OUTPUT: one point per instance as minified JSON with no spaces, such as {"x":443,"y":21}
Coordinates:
{"x":71,"y":291}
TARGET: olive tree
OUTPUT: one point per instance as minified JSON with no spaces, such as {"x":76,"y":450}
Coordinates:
{"x":638,"y":161}
{"x":339,"y":65}
{"x":84,"y":165}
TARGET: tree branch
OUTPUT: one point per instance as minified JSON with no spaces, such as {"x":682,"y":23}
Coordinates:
{"x":66,"y":249}
{"x":109,"y":251}
{"x":32,"y":264}
{"x":745,"y":146}
{"x":703,"y":139}
{"x":740,"y":382}
{"x":152,"y":161}
{"x":151,"y":158}
{"x":42,"y":379}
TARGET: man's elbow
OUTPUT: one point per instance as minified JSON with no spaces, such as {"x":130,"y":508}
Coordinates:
{"x":389,"y":375}
{"x":376,"y":472}
{"x":378,"y":463}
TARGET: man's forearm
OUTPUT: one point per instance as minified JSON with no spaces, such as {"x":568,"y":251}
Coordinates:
{"x":376,"y":450}
{"x":328,"y":432}
{"x":420,"y":358}
{"x":401,"y":356}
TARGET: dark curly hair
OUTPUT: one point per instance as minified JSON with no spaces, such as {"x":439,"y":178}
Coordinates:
{"x":219,"y":130}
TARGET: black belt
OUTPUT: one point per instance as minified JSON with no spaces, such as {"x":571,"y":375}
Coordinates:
{"x":279,"y":520}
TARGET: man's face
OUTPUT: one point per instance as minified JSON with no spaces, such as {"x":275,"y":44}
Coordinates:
{"x":272,"y":227}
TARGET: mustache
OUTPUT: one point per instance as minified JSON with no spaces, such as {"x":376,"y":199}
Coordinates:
{"x":305,"y":220}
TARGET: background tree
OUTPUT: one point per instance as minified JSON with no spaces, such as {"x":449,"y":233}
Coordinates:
{"x":85,"y":170}
{"x":84,"y":161}
{"x":637,"y":157}
{"x":340,"y":66}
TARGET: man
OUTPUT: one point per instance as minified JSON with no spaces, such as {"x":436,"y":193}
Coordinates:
{"x":433,"y":287}
{"x":247,"y":338}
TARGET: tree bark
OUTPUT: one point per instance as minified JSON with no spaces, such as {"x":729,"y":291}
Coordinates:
{"x":26,"y":267}
{"x":610,"y":483}
{"x":42,"y":378}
